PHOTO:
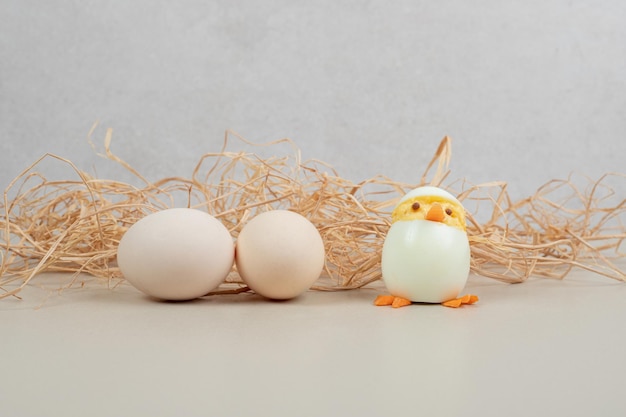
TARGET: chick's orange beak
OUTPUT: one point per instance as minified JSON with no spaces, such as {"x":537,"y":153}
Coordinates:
{"x":435,"y":213}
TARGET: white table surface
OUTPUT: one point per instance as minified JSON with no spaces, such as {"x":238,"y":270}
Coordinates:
{"x":539,"y":348}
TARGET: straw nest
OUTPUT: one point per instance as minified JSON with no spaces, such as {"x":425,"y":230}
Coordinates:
{"x":75,"y":225}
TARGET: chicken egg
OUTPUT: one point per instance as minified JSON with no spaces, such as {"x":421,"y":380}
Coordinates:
{"x":176,"y":254}
{"x":279,"y":254}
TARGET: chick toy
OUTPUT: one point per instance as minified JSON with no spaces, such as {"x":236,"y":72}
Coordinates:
{"x":426,"y":253}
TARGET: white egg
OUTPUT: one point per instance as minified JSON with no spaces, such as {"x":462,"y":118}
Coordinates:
{"x":425,"y":260}
{"x":279,"y":254}
{"x":176,"y":254}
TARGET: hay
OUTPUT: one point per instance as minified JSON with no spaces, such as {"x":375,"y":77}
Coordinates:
{"x":75,"y":226}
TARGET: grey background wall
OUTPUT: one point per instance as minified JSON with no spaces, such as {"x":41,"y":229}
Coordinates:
{"x":528,"y":90}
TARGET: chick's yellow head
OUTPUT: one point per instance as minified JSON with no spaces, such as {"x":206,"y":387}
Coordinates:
{"x":430,"y":204}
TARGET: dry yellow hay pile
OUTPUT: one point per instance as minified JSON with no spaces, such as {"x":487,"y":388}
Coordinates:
{"x":75,"y":225}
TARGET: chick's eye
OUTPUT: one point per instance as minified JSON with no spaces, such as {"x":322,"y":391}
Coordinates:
{"x":415,"y":206}
{"x":449,"y":211}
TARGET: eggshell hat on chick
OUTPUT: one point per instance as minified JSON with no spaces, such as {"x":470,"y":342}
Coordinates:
{"x":429,"y":191}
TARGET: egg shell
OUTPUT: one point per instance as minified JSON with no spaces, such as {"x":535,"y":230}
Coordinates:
{"x":176,"y":254}
{"x":430,"y":191}
{"x":425,"y":261}
{"x":279,"y":254}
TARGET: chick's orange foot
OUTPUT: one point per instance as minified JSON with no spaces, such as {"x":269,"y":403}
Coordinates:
{"x":458,"y":302}
{"x":390,"y":300}
{"x":396,"y":302}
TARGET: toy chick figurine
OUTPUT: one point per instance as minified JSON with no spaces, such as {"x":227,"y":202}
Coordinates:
{"x":426,"y":254}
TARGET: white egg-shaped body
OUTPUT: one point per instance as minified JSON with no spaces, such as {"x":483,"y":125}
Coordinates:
{"x":425,"y":261}
{"x":176,"y":254}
